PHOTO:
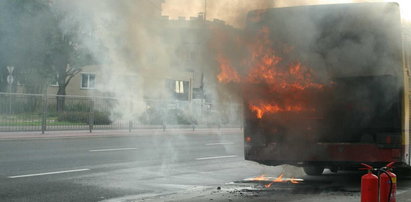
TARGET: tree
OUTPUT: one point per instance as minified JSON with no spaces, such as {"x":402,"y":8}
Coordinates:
{"x":25,"y":29}
{"x":32,"y":41}
{"x":67,"y":59}
{"x":67,"y":62}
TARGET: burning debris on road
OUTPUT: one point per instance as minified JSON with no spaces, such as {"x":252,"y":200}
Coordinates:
{"x":279,"y":179}
{"x":325,"y":188}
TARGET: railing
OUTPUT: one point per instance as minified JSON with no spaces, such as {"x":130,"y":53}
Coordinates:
{"x":40,"y":112}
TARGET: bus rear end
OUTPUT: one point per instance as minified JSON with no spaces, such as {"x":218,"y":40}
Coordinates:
{"x":326,"y":87}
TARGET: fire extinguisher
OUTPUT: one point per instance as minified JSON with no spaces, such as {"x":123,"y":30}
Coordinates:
{"x":388,"y":184}
{"x":369,"y":185}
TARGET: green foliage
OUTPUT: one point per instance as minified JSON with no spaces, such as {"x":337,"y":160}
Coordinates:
{"x":152,"y":117}
{"x":33,"y":41}
{"x":100,"y":118}
{"x":20,"y":105}
{"x":26,"y":30}
{"x":77,"y":107}
{"x":72,"y":106}
{"x":177,"y":116}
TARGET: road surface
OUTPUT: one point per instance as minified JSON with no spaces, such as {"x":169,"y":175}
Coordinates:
{"x":152,"y":165}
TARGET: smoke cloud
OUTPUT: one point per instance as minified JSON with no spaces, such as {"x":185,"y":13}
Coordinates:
{"x":119,"y":37}
{"x":136,"y":52}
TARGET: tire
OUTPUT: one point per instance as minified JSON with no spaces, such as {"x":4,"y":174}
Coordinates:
{"x":313,"y":170}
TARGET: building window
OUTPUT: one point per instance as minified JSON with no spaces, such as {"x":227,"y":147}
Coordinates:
{"x":88,"y":81}
{"x":179,"y":87}
{"x":54,"y":81}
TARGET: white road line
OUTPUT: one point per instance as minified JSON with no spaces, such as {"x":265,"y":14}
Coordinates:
{"x":219,"y":143}
{"x":49,"y":173}
{"x":215,"y":157}
{"x":116,"y":149}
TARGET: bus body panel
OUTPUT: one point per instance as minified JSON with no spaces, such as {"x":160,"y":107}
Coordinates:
{"x":365,"y":115}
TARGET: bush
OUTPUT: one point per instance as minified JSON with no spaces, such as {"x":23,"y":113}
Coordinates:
{"x":177,"y":116}
{"x":100,"y":118}
{"x":152,"y":117}
{"x":79,"y":106}
{"x":172,"y":116}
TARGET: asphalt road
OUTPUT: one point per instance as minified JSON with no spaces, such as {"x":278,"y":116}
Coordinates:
{"x":90,"y":168}
{"x":155,"y":166}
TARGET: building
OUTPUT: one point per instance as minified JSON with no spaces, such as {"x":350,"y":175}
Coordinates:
{"x":192,"y":49}
{"x":191,"y":63}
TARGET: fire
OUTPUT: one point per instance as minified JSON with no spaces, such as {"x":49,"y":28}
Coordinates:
{"x":279,"y":179}
{"x":274,"y":108}
{"x":268,"y":185}
{"x":227,"y":73}
{"x":297,"y":77}
{"x":267,"y":68}
{"x":259,"y":178}
{"x":248,"y":139}
{"x":294,"y":181}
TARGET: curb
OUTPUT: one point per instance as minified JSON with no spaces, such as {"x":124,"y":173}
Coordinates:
{"x":114,"y":133}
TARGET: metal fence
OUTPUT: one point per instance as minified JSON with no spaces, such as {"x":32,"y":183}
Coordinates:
{"x":37,"y":112}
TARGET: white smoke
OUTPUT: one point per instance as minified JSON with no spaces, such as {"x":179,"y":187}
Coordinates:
{"x":126,"y":41}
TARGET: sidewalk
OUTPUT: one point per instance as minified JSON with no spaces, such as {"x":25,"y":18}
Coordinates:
{"x":102,"y":133}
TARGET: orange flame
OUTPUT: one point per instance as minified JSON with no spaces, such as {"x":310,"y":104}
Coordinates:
{"x":260,"y":178}
{"x":282,"y":77}
{"x":278,"y":179}
{"x":294,"y":181}
{"x":261,"y":109}
{"x":248,"y":139}
{"x":268,"y":185}
{"x":227,"y":73}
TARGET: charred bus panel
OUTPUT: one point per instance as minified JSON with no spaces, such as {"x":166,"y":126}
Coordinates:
{"x":355,"y":110}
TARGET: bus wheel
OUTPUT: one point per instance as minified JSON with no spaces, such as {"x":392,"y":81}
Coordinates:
{"x":313,"y":170}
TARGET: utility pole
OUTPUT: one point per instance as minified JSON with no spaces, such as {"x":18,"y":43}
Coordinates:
{"x":203,"y":63}
{"x":205,"y":11}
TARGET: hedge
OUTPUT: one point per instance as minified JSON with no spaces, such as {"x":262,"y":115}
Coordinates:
{"x":100,"y":118}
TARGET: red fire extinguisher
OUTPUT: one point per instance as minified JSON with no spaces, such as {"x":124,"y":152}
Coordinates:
{"x":388,"y":184}
{"x":369,"y":185}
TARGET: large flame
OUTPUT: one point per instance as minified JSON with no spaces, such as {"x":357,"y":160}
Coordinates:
{"x":264,"y":66}
{"x":274,"y":108}
{"x":227,"y":73}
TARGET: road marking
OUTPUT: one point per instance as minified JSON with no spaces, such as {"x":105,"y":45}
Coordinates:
{"x":219,"y":143}
{"x":116,"y":149}
{"x":215,"y":157}
{"x":49,"y":173}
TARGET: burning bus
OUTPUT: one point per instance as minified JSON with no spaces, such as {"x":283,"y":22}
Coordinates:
{"x":324,"y":86}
